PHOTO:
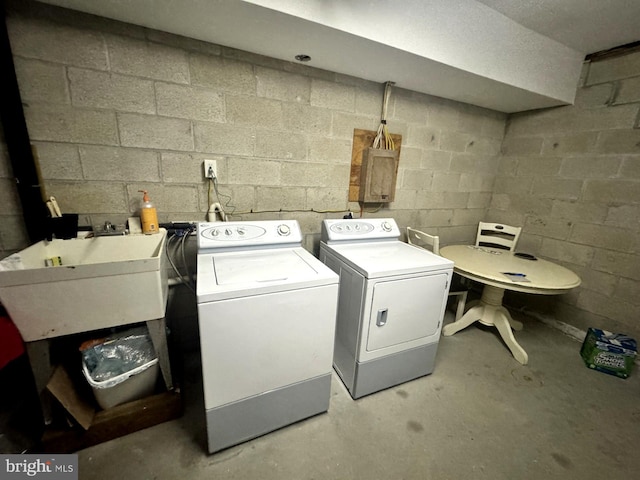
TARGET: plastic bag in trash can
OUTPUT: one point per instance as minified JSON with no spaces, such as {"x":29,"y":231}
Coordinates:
{"x":119,"y":354}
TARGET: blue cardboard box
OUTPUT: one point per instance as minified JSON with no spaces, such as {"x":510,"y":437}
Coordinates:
{"x":612,"y":353}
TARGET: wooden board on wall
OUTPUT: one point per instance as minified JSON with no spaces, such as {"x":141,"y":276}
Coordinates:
{"x":363,"y":139}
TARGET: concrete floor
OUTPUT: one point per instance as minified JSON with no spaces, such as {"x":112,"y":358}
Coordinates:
{"x":480,"y":415}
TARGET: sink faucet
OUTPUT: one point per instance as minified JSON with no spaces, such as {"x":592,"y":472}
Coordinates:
{"x":109,"y":229}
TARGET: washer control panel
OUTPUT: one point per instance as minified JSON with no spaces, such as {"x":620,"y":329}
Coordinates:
{"x":352,"y":227}
{"x":215,"y":235}
{"x":360,"y":229}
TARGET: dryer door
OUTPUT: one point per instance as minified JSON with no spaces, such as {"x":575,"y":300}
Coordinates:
{"x":405,"y":311}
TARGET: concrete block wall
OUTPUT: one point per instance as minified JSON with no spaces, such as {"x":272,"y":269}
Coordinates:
{"x":571,"y":177}
{"x":114,"y":108}
{"x":13,"y":235}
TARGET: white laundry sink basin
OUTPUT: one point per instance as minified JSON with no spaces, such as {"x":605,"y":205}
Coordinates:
{"x":102,"y":282}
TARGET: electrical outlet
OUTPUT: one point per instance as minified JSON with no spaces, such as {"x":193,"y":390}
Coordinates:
{"x":210,"y":169}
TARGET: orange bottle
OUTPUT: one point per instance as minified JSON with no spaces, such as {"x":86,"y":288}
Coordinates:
{"x":148,"y":215}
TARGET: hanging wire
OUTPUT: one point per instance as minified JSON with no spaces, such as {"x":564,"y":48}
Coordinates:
{"x":226,"y":209}
{"x":185,"y":235}
{"x":383,"y":140}
{"x":375,"y":210}
{"x":292,"y":210}
{"x":184,"y":278}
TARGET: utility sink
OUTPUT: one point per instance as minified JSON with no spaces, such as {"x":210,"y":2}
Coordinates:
{"x":102,"y":282}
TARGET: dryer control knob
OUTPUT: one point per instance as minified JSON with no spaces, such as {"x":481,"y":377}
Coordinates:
{"x":241,"y":231}
{"x":386,"y":226}
{"x":228,"y":231}
{"x":284,"y":230}
{"x":215,"y":232}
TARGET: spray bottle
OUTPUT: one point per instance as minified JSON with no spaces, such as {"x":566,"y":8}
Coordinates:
{"x":148,"y":215}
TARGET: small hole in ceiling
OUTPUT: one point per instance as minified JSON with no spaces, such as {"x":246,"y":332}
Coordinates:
{"x":303,"y":58}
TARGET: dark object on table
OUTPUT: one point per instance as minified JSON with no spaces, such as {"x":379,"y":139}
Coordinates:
{"x":526,"y":256}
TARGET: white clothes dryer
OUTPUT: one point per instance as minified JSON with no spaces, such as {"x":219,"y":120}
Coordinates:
{"x":390,"y":307}
{"x":266,"y":315}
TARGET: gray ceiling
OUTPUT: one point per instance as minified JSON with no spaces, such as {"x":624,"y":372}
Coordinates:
{"x":588,"y":26}
{"x":506,"y":55}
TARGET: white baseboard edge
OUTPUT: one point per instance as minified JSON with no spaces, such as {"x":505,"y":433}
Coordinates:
{"x":569,"y":330}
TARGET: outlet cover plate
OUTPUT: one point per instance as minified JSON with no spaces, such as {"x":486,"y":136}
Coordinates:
{"x":210,"y":169}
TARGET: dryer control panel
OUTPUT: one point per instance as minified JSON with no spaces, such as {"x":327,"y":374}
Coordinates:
{"x":352,"y":230}
{"x":243,"y":235}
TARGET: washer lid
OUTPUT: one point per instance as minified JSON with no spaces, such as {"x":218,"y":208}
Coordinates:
{"x":255,"y":266}
{"x":242,"y":273}
{"x":388,"y":258}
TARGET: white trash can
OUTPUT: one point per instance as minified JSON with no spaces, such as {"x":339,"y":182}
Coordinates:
{"x":132,"y":385}
{"x":122,"y":368}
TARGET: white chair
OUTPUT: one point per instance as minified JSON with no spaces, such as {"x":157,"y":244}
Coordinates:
{"x":497,"y":235}
{"x":432,"y":243}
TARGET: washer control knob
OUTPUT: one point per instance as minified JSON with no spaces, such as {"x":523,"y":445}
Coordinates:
{"x":386,"y":226}
{"x":227,"y":231}
{"x":215,"y":232}
{"x":284,"y":230}
{"x":241,"y":231}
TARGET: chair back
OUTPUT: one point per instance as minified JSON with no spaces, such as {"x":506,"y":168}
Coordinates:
{"x":497,"y":235}
{"x":424,"y":240}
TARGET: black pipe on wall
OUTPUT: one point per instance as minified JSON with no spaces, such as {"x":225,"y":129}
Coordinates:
{"x":18,"y":143}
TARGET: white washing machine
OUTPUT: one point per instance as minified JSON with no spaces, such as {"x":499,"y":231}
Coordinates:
{"x":391,"y":303}
{"x":266,"y":314}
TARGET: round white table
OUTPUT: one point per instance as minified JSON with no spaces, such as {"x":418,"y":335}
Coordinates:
{"x":488,"y":266}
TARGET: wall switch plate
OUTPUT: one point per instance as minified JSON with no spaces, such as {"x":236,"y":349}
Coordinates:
{"x":210,"y":169}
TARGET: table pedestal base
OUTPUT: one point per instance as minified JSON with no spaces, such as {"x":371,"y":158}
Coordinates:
{"x":489,"y":311}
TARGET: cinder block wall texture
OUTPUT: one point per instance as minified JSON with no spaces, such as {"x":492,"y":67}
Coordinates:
{"x":114,"y":108}
{"x":571,"y":177}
